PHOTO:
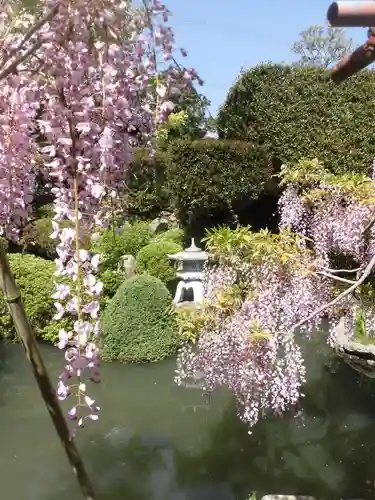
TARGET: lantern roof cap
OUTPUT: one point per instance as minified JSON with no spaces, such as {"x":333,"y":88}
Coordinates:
{"x":191,"y":253}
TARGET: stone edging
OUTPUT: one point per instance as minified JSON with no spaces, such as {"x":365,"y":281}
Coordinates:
{"x":360,"y":357}
{"x":286,"y":497}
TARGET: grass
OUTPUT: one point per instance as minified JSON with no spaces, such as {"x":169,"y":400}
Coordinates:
{"x":364,"y":338}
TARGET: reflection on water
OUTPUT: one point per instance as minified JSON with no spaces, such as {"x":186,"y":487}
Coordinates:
{"x":156,"y":441}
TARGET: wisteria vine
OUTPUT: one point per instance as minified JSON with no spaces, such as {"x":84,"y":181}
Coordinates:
{"x":77,"y":95}
{"x":262,"y":290}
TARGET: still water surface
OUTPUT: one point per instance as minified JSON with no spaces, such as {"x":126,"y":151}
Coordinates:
{"x":156,"y":441}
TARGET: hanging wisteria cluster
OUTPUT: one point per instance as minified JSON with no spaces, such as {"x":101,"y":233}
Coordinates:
{"x":331,"y":210}
{"x":79,"y":97}
{"x":254,"y":295}
{"x":264,"y":290}
{"x":337,"y":214}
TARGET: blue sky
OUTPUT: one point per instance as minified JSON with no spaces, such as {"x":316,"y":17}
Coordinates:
{"x":221,"y":36}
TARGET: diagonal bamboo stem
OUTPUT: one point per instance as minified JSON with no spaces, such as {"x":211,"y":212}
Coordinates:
{"x":12,"y":297}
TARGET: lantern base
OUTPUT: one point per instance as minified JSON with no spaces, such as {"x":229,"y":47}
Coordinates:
{"x":195,"y":286}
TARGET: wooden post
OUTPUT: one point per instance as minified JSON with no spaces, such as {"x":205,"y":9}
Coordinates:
{"x":353,"y":14}
{"x":355,"y":62}
{"x":12,"y":297}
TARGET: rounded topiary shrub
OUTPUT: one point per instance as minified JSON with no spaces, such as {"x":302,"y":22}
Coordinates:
{"x":34,"y":277}
{"x":137,"y":325}
{"x":153,"y":259}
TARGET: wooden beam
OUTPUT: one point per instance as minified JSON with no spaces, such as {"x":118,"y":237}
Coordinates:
{"x":351,"y":14}
{"x":358,"y":60}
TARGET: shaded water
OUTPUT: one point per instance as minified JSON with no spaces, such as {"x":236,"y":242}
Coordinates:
{"x":156,"y":441}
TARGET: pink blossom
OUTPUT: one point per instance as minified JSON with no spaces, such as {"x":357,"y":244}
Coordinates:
{"x":63,"y":339}
{"x":94,"y":96}
{"x":60,"y":311}
{"x":62,"y":391}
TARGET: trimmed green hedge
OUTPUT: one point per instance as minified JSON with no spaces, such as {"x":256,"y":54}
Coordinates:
{"x":299,"y":112}
{"x":35,"y":277}
{"x":145,"y":192}
{"x":153,"y":259}
{"x":210,"y":176}
{"x":137,"y":325}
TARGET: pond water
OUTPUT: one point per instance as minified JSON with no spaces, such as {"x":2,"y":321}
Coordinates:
{"x":156,"y":441}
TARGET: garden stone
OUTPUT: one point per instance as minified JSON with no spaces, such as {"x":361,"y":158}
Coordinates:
{"x":360,"y":357}
{"x":159,"y":225}
{"x":287,"y":497}
{"x":128,"y":265}
{"x":171,"y":218}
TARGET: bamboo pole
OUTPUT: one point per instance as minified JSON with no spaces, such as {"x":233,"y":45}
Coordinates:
{"x":362,"y":57}
{"x":351,"y":14}
{"x":12,"y":297}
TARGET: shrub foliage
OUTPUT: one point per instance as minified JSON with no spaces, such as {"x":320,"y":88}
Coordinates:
{"x":209,"y":176}
{"x":153,"y":259}
{"x":299,"y":112}
{"x":36,"y":235}
{"x":145,"y":192}
{"x":176,"y":235}
{"x":34,"y":277}
{"x":137,"y":325}
{"x":112,"y":245}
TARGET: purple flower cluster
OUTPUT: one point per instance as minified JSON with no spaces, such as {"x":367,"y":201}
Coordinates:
{"x":251,"y":345}
{"x":88,"y":78}
{"x":251,"y":349}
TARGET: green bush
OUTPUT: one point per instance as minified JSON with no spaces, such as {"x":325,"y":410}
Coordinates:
{"x":129,"y":241}
{"x":299,"y":112}
{"x":210,"y":176}
{"x":36,"y":237}
{"x":137,"y":325}
{"x":111,"y":279}
{"x":176,"y":235}
{"x":153,"y":259}
{"x":4,"y":243}
{"x":45,"y":211}
{"x":35,"y":277}
{"x":145,"y":193}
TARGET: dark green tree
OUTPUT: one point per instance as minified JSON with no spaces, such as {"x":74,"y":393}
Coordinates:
{"x":299,"y":112}
{"x":194,"y":106}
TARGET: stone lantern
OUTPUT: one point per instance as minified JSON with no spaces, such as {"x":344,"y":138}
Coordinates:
{"x":190,"y":264}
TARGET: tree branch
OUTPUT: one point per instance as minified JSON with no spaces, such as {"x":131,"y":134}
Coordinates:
{"x":339,"y":271}
{"x":368,"y":226}
{"x":334,"y":277}
{"x":366,"y":273}
{"x":38,"y":25}
{"x":12,"y":67}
